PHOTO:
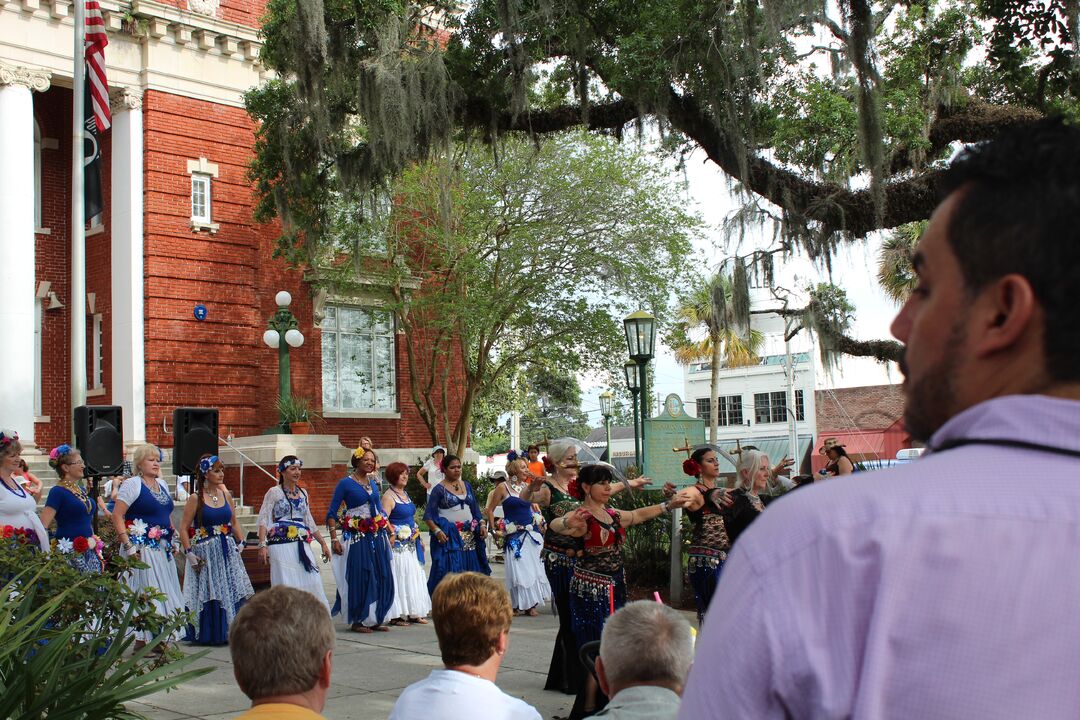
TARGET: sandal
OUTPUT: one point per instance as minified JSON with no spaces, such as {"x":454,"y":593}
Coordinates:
{"x":418,"y":621}
{"x":381,"y":628}
{"x":399,"y":622}
{"x":358,"y":628}
{"x":531,"y":612}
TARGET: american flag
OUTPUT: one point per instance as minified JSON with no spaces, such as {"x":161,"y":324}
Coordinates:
{"x":98,"y":85}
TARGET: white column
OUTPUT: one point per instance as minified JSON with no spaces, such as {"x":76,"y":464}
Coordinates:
{"x":17,"y":243}
{"x":128,"y":356}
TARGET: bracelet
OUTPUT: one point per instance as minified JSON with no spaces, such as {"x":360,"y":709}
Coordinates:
{"x":262,"y":543}
{"x":664,"y":507}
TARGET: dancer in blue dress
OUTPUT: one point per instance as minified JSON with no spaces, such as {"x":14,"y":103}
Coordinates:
{"x":215,"y":581}
{"x":144,"y":526}
{"x":522,"y":529}
{"x":361,"y":559}
{"x":457,"y":526}
{"x":411,"y":599}
{"x":69,"y":504}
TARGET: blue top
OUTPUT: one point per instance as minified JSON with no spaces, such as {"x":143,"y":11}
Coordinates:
{"x":517,"y":511}
{"x":152,"y":508}
{"x":72,"y":517}
{"x":442,"y":499}
{"x":212,"y":516}
{"x":403,"y":513}
{"x":353,"y":494}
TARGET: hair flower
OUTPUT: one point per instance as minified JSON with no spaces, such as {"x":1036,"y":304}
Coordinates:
{"x":691,"y":468}
{"x":549,"y":464}
{"x":574,"y":488}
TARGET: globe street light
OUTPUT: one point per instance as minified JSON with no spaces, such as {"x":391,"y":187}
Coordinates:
{"x":640,"y":328}
{"x":630,"y":370}
{"x":283,"y":324}
{"x":606,"y":399}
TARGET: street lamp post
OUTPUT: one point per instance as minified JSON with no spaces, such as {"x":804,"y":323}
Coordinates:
{"x":283,"y":324}
{"x":606,"y":399}
{"x":640,"y":330}
{"x":630,"y":369}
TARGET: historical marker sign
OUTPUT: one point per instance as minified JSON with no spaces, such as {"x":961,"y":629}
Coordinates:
{"x":672,"y":428}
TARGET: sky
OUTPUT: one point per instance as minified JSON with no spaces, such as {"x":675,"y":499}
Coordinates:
{"x":854,"y":268}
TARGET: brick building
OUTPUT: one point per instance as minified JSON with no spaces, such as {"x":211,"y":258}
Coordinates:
{"x":867,"y":420}
{"x":177,"y":231}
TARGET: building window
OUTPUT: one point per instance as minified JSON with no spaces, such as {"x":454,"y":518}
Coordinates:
{"x":729,"y":410}
{"x":703,"y":409}
{"x":771,"y":407}
{"x":358,"y":360}
{"x":39,"y":315}
{"x":97,"y":377}
{"x":800,"y":413}
{"x":200,"y":198}
{"x":201,"y":172}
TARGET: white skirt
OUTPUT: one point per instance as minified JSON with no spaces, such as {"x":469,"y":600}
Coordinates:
{"x":411,"y":597}
{"x":162,"y":576}
{"x":525,"y":577}
{"x":286,"y":569}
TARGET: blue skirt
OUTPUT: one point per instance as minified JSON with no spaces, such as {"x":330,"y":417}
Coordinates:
{"x":704,"y":574}
{"x":590,"y":602}
{"x":451,"y":557}
{"x":369,"y":577}
{"x":213,"y":625}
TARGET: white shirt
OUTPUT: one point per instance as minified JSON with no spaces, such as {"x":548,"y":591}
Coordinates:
{"x":453,"y":695}
{"x":434,"y":474}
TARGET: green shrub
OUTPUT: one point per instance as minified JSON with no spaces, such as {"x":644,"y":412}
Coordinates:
{"x":64,"y":637}
{"x":647,"y":551}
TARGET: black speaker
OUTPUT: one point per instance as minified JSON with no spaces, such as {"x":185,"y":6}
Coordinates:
{"x":99,"y":435}
{"x":195,"y":433}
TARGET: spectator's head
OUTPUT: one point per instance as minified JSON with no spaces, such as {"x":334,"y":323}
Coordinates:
{"x":533,"y":452}
{"x":833,"y":450}
{"x":282,"y":644}
{"x":147,"y":459}
{"x":437,"y":454}
{"x":397,"y":475}
{"x":365,"y":442}
{"x":472,"y":615}
{"x":644,"y":629}
{"x":998,"y":272}
{"x":753,"y":472}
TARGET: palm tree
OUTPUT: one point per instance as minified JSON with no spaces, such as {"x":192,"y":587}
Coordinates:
{"x":895,"y":274}
{"x":728,"y":339}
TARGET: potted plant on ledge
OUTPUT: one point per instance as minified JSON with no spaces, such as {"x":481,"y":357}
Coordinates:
{"x":296,"y":412}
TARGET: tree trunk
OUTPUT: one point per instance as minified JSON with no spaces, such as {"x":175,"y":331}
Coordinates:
{"x":714,"y":390}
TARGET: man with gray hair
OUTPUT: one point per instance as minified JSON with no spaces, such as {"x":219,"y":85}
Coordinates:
{"x":645,"y":654}
{"x":282,"y":647}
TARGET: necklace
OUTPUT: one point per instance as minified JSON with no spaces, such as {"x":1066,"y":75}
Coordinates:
{"x":78,"y":492}
{"x":403,"y":500}
{"x":19,"y":492}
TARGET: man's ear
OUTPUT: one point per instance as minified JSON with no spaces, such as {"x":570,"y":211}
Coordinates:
{"x":1005,"y":312}
{"x":502,"y":643}
{"x":327,"y":669}
{"x":601,"y":677}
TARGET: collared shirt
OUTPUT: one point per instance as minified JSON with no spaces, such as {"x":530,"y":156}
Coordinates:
{"x":453,"y":695}
{"x":642,"y":702}
{"x":947,"y":588}
{"x":279,"y":711}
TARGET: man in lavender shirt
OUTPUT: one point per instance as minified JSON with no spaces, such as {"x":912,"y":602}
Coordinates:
{"x":950,"y":587}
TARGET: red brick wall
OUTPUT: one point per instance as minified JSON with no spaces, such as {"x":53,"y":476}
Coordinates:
{"x":242,"y":12}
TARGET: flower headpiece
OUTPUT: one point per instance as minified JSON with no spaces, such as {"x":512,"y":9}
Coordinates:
{"x":58,"y":452}
{"x":549,"y":464}
{"x":206,"y":463}
{"x":359,"y":452}
{"x":691,"y":467}
{"x":574,"y":488}
{"x":285,"y":464}
{"x":514,"y":455}
{"x":7,"y":437}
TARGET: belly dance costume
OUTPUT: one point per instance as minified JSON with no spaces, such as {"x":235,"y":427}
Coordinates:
{"x":525,"y":575}
{"x":218,"y":585}
{"x":411,"y":599}
{"x":288,"y":524}
{"x":458,"y":516}
{"x":75,"y":538}
{"x":365,"y":582}
{"x":709,"y":545}
{"x":559,"y":554}
{"x":598,"y":587}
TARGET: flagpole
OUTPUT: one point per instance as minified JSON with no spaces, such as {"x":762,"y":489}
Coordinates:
{"x":78,"y":221}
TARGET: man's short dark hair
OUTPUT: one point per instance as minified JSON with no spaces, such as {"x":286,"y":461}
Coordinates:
{"x":1019,"y":212}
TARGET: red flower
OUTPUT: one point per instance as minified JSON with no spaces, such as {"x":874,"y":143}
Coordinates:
{"x":191,"y":531}
{"x":9,"y":531}
{"x":80,"y":544}
{"x":574,"y":488}
{"x":549,"y":464}
{"x":691,"y":468}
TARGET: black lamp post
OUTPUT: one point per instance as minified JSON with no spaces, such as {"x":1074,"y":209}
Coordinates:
{"x":640,"y":330}
{"x":630,"y":369}
{"x":606,"y":401}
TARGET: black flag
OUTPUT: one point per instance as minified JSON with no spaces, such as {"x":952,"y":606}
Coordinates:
{"x":93,"y":203}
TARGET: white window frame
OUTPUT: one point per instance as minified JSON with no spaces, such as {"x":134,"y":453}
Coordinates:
{"x":97,"y":349}
{"x":335,"y":408}
{"x":703,"y":409}
{"x":726,"y":408}
{"x":39,"y":331}
{"x":203,"y":173}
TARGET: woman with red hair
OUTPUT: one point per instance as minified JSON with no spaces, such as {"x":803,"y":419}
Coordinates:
{"x":411,"y":599}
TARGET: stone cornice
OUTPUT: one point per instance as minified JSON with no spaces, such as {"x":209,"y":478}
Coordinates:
{"x":121,"y":99}
{"x":33,"y":78}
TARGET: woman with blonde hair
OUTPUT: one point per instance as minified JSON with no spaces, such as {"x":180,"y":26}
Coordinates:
{"x":18,"y":507}
{"x":142,"y":519}
{"x":69,"y":504}
{"x":522,"y":531}
{"x":753,"y":475}
{"x":215,"y":581}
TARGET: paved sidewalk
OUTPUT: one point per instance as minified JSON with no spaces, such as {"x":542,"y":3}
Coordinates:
{"x":371,"y":670}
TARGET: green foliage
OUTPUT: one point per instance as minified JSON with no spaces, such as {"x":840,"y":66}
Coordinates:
{"x":296,"y":409}
{"x":647,"y":551}
{"x":63,"y":640}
